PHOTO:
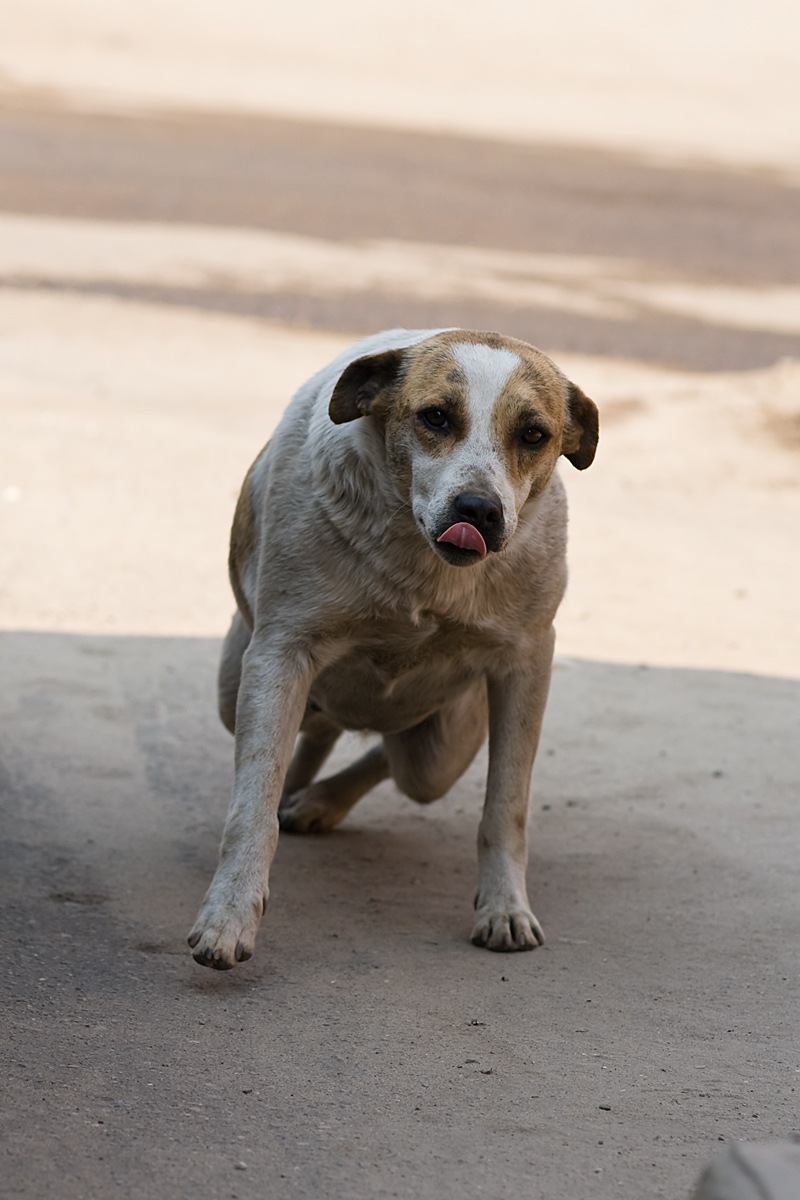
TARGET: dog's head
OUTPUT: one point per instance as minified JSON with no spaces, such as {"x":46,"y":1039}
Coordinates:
{"x":473,"y":425}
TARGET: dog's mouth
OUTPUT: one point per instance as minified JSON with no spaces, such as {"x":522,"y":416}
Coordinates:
{"x":465,"y":537}
{"x":461,"y":544}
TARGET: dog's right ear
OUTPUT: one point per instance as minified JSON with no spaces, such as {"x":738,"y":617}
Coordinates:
{"x":360,"y":384}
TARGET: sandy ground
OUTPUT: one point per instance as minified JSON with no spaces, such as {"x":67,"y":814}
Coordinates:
{"x":681,"y":79}
{"x":368,"y":1050}
{"x":131,"y":442}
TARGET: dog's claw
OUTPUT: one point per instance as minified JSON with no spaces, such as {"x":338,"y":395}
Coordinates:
{"x":208,"y":958}
{"x":225,"y":933}
{"x":507,"y":931}
{"x":216,"y":958}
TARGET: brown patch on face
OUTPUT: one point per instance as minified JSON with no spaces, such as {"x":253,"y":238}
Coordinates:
{"x":475,"y":337}
{"x":431,"y":383}
{"x":570,"y":416}
{"x":532,"y":403}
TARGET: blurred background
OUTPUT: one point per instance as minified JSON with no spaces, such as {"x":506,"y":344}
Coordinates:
{"x":200,"y":204}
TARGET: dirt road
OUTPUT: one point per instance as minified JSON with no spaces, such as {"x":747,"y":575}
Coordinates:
{"x":664,"y":252}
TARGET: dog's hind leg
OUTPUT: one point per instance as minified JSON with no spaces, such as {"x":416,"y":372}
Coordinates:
{"x":320,"y":806}
{"x":427,"y":760}
{"x":318,"y":736}
{"x":424,"y":761}
{"x":236,"y":642}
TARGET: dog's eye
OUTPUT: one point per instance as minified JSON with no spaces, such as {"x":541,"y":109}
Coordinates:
{"x":434,"y":418}
{"x":532,"y":436}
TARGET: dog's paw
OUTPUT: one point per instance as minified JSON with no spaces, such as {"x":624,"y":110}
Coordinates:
{"x":499,"y":929}
{"x":224,"y":934}
{"x":311,"y":810}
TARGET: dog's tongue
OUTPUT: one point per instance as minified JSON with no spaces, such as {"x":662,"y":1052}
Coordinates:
{"x":465,"y":536}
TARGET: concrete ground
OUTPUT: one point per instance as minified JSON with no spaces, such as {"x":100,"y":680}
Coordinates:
{"x":194,"y":216}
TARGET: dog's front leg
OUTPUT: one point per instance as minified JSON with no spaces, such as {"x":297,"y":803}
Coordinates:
{"x":272,"y":695}
{"x":517,"y":699}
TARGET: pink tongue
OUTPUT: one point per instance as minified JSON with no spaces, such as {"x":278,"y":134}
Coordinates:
{"x":465,"y":536}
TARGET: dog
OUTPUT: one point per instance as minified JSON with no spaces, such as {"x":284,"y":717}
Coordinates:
{"x":397,"y":557}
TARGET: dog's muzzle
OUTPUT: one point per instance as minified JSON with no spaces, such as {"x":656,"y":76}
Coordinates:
{"x":479,"y":527}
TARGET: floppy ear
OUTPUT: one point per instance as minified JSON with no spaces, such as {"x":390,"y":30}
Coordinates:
{"x":361,"y":382}
{"x":581,"y":430}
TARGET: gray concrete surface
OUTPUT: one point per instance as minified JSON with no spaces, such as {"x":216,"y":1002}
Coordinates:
{"x":368,"y":1050}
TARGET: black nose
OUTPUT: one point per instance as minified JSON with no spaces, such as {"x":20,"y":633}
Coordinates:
{"x":484,"y":512}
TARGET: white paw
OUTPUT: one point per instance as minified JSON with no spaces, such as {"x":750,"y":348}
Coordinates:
{"x":311,"y":810}
{"x":499,"y":928}
{"x":224,"y":933}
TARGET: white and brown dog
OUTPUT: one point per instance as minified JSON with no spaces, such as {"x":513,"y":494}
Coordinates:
{"x":397,"y":556}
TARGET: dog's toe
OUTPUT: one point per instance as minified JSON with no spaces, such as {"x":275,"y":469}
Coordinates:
{"x":218,"y":951}
{"x":209,"y":957}
{"x":310,"y":810}
{"x":505,"y":931}
{"x":225,"y":936}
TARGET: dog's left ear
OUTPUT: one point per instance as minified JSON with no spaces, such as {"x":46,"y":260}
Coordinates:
{"x":581,"y":430}
{"x":361,"y":383}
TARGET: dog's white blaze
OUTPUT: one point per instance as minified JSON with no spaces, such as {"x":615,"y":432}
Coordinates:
{"x":487,"y":370}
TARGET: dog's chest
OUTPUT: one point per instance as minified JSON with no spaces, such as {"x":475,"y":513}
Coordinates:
{"x":394,"y":678}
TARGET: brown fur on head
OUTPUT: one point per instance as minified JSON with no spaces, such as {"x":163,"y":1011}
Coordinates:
{"x":469,"y":415}
{"x":367,"y":379}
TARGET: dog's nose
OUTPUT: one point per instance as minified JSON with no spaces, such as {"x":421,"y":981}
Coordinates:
{"x":484,"y":512}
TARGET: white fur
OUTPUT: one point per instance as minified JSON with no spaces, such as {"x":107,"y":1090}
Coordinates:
{"x":488,"y":370}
